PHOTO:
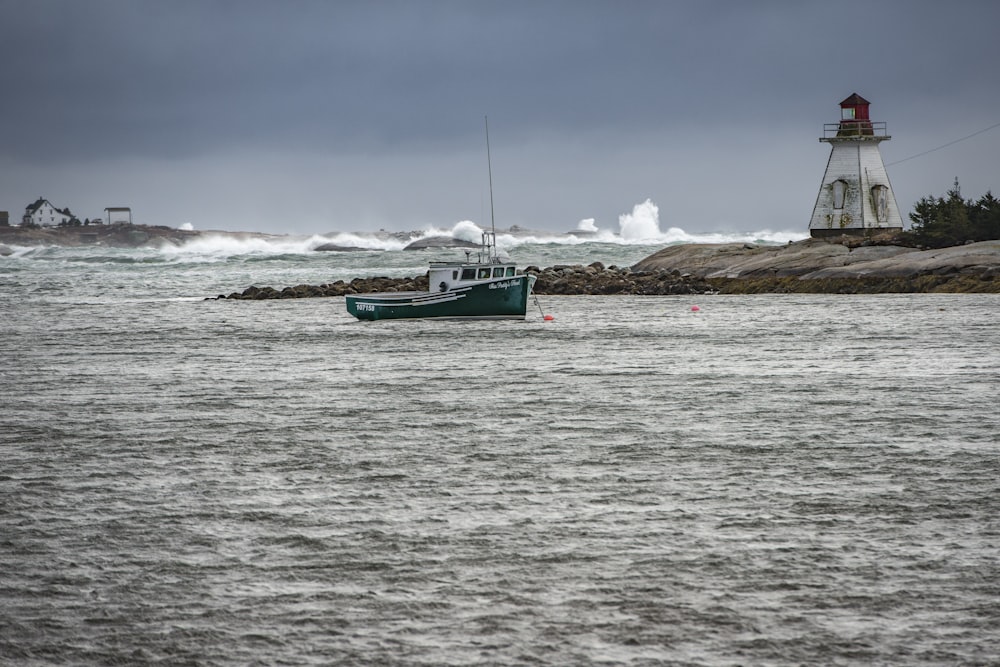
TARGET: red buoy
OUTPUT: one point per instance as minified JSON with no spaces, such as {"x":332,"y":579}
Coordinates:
{"x":548,"y":318}
{"x":695,"y":309}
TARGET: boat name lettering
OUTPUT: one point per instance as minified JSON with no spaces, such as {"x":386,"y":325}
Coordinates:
{"x":507,"y":284}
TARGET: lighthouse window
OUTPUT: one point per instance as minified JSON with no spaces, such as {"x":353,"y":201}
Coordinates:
{"x":847,"y":114}
{"x":880,"y":201}
{"x":839,"y":192}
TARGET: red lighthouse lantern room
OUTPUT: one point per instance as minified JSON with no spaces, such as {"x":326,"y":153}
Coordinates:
{"x":854,"y":116}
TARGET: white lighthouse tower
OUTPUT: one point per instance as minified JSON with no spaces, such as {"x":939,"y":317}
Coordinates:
{"x":856,"y":197}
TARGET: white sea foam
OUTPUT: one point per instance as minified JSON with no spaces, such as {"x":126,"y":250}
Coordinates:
{"x":467,"y":231}
{"x":217,"y":247}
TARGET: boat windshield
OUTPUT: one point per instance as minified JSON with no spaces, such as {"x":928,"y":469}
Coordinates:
{"x":468,"y":274}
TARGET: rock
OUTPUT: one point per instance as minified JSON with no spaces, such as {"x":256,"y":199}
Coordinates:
{"x":5,"y":250}
{"x":910,"y":263}
{"x":817,"y":259}
{"x":440,"y":242}
{"x":333,"y":247}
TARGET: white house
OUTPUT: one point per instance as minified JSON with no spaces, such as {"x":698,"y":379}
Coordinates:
{"x":44,"y":214}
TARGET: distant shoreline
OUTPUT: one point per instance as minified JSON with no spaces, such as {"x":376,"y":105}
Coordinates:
{"x":114,"y":235}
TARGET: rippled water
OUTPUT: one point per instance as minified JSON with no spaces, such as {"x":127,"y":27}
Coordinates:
{"x":770,"y":480}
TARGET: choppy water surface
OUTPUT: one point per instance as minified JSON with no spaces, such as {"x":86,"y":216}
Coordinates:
{"x":771,"y":480}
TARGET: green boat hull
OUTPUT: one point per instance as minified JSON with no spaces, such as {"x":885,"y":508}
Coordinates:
{"x":498,"y":299}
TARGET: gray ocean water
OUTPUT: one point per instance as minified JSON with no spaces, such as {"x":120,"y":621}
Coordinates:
{"x":770,"y":480}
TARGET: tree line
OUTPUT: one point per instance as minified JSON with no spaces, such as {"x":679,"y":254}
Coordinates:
{"x":950,"y":220}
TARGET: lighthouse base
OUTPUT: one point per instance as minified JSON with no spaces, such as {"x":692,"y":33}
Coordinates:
{"x":857,"y":232}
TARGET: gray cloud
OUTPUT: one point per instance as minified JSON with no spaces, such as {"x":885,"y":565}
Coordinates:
{"x":310,"y":116}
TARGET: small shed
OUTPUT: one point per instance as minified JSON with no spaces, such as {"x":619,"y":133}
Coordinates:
{"x":119,"y":215}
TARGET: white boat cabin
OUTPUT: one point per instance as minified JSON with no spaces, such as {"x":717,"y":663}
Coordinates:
{"x":444,"y":276}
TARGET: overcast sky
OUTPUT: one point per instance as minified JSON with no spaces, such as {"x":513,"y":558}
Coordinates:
{"x":319,"y":116}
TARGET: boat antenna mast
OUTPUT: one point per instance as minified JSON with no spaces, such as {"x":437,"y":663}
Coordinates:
{"x":491,"y":242}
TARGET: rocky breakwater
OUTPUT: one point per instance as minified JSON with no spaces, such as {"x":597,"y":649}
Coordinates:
{"x":845,"y":265}
{"x":338,"y":288}
{"x":560,"y":279}
{"x":595,"y":278}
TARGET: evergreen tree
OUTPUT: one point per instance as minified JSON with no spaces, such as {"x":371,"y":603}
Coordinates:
{"x":984,"y":218}
{"x":951,"y":220}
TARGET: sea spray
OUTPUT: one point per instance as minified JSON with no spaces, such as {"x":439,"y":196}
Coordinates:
{"x":643,"y":224}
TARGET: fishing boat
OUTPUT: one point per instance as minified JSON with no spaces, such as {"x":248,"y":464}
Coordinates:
{"x":487,"y":288}
{"x":480,"y":288}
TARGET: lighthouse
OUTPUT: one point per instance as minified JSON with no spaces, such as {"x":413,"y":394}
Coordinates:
{"x":855,"y":197}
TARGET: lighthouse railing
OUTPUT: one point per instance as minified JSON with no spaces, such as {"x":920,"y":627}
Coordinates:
{"x":854,"y":128}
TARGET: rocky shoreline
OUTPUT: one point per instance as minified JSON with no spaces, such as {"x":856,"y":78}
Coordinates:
{"x":844,"y":265}
{"x":812,"y":266}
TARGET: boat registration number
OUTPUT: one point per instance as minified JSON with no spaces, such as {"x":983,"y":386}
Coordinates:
{"x":366,"y":306}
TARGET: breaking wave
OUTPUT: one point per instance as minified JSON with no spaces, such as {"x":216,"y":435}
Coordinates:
{"x":640,"y":227}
